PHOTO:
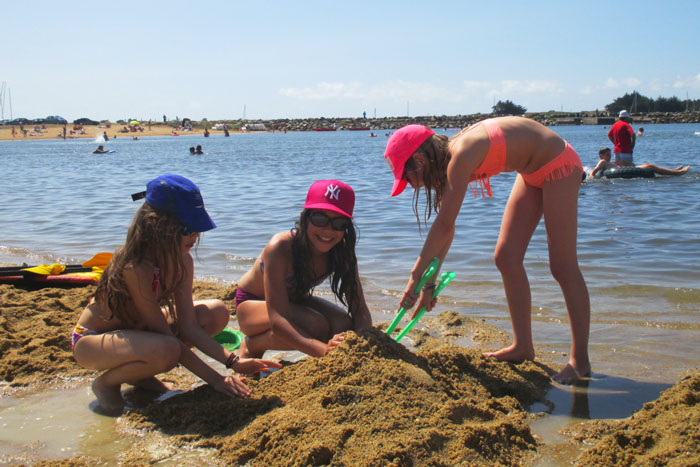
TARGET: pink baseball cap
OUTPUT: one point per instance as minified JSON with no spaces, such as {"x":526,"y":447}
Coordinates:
{"x":400,"y":147}
{"x":331,"y":194}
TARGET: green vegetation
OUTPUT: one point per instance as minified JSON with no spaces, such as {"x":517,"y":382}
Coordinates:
{"x":508,"y":108}
{"x":638,"y":103}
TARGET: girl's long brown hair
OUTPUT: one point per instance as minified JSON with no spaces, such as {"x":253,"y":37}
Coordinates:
{"x":155,"y":235}
{"x":342,"y":264}
{"x":437,"y":155}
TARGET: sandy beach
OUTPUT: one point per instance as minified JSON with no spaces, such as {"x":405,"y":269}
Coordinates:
{"x":371,"y":402}
{"x":93,"y":131}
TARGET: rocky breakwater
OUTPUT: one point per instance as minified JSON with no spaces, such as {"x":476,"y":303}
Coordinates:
{"x":462,"y":121}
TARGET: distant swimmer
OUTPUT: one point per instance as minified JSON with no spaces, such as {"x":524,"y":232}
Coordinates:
{"x":100,"y":150}
{"x":199,"y":149}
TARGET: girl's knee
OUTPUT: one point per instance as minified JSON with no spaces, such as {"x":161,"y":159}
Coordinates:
{"x":341,"y":324}
{"x":319,"y":328}
{"x":166,"y":355}
{"x":564,"y":271}
{"x":506,"y":261}
{"x":213,"y":316}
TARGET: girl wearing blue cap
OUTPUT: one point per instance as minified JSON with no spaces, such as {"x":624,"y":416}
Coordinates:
{"x":142,"y":319}
{"x":274,"y":302}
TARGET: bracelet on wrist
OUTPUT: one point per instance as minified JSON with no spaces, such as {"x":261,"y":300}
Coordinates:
{"x":231,"y":360}
{"x":429,"y":286}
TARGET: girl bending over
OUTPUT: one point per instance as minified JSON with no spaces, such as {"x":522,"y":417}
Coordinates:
{"x":549,"y":176}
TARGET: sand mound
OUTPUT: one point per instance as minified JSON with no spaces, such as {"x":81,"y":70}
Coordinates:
{"x":35,"y":330}
{"x":36,"y":325}
{"x":665,"y":432}
{"x":370,"y":402}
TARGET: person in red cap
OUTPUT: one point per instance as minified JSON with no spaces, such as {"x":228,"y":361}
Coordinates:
{"x":142,"y":319}
{"x":549,"y":175}
{"x":274,"y":302}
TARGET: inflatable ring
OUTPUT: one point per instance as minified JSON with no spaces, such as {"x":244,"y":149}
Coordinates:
{"x":628,"y":172}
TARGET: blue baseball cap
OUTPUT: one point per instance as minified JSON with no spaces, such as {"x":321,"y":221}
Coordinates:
{"x":179,"y":196}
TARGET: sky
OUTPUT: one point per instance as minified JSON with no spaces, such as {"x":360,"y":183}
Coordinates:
{"x":264,"y":59}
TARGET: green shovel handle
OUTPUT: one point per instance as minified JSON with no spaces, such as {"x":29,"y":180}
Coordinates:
{"x":444,"y":280}
{"x":426,"y":275}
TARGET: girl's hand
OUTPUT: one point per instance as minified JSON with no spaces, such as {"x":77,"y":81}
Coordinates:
{"x":251,"y":366}
{"x":232,"y":387}
{"x":426,"y":301}
{"x":335,"y":341}
{"x":409,"y":298}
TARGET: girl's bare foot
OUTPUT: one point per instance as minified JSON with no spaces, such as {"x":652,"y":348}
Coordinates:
{"x":154,"y":384}
{"x":244,"y":350}
{"x":512,"y":354}
{"x":108,"y":397}
{"x":570,"y":375}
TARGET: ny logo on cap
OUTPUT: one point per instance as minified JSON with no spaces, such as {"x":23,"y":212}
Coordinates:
{"x":332,"y":191}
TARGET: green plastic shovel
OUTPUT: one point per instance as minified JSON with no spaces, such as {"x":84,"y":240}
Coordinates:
{"x":426,"y":275}
{"x":444,"y":280}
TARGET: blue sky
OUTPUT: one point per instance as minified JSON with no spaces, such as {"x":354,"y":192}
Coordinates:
{"x":283,"y":59}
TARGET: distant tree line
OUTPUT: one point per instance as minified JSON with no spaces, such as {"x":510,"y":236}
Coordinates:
{"x":508,"y":108}
{"x":636,"y":102}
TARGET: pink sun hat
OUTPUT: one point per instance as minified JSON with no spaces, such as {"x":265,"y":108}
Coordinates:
{"x":400,"y":147}
{"x":331,"y":194}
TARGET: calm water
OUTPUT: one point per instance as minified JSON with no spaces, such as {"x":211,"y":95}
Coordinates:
{"x":639,"y":248}
{"x":639,"y":240}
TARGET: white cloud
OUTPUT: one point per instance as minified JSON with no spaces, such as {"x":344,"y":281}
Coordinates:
{"x":325,"y":90}
{"x":692,"y":82}
{"x":625,"y":83}
{"x":416,"y":91}
{"x":398,"y":90}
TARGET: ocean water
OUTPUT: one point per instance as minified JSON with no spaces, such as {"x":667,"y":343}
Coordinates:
{"x":639,"y":240}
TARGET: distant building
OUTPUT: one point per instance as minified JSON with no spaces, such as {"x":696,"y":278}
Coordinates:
{"x":254,"y":127}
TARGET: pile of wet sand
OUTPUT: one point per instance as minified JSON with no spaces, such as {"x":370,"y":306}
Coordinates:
{"x":35,"y":329}
{"x":371,"y":401}
{"x":665,"y":432}
{"x":36,"y":325}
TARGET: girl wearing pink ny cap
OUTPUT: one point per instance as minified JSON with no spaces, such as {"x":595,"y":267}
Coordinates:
{"x":547,"y":184}
{"x":142,"y":319}
{"x":274,"y":302}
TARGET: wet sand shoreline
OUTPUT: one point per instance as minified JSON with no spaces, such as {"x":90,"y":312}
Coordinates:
{"x":373,"y":402}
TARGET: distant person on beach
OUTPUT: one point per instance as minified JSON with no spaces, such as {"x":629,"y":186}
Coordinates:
{"x":104,"y":135}
{"x":142,"y":319}
{"x":275,"y":306}
{"x":100,"y":150}
{"x":206,"y":133}
{"x":622,"y":136}
{"x":199,"y":149}
{"x":548,"y":181}
{"x":604,"y":164}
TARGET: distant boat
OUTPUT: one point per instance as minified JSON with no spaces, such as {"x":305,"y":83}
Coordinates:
{"x":325,"y":129}
{"x":358,"y":128}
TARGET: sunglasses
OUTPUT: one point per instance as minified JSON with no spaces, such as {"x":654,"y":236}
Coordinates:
{"x":319,"y":219}
{"x":186,"y":231}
